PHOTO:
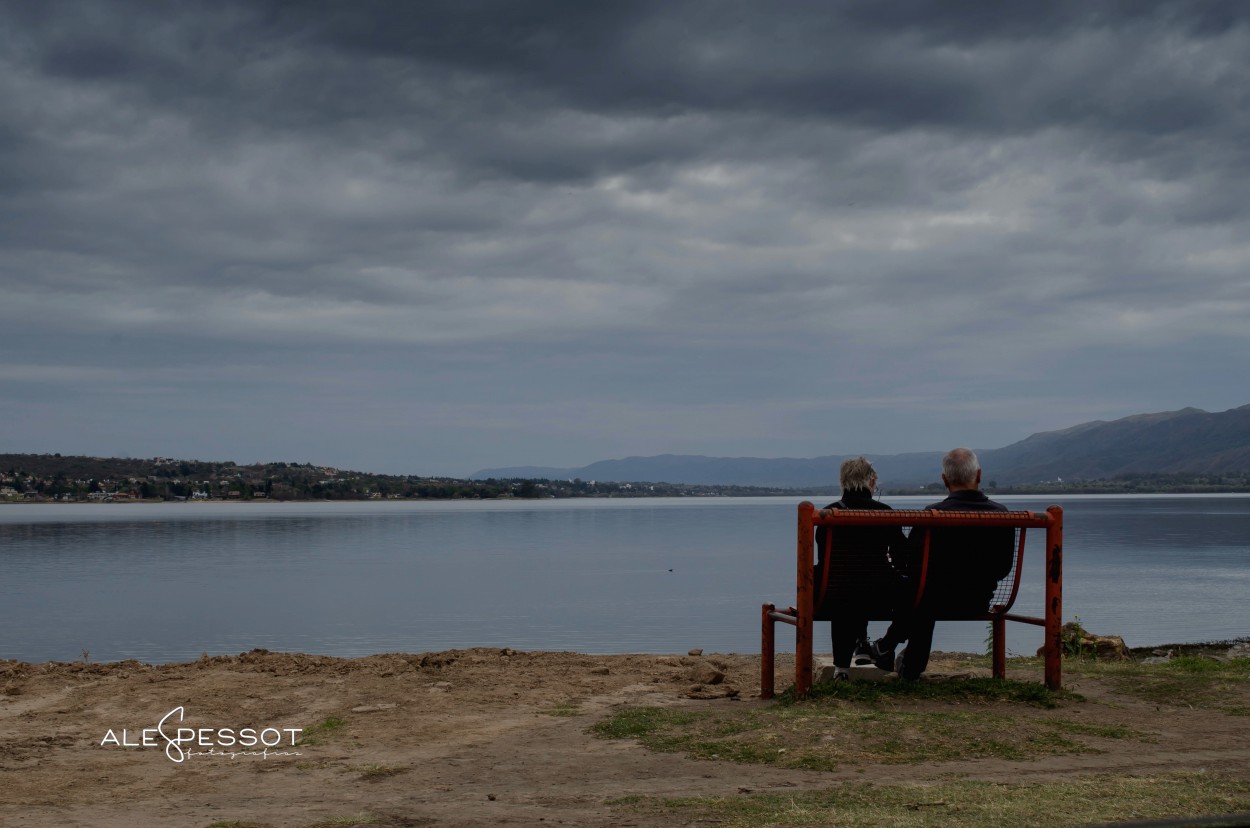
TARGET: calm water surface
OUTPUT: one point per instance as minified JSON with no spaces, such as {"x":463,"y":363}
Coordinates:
{"x":164,"y":582}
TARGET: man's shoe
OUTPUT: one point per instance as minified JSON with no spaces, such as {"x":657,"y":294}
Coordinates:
{"x":841,"y":675}
{"x":884,"y":659}
{"x":901,"y":668}
{"x":865,"y":655}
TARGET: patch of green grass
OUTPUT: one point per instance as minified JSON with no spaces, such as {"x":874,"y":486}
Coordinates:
{"x":971,"y":690}
{"x":635,"y":722}
{"x":1099,"y":730}
{"x":323,"y":729}
{"x":565,"y":708}
{"x":1198,"y":664}
{"x":1184,"y":681}
{"x":237,"y":823}
{"x":863,"y":723}
{"x":965,"y":803}
{"x":854,"y":727}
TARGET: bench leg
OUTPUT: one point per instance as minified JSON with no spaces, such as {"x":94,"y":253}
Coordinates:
{"x":999,"y":625}
{"x":803,"y":656}
{"x":767,"y":650}
{"x":1054,"y":599}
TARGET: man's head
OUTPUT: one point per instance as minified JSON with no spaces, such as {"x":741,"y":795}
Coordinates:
{"x":858,"y":473}
{"x":961,"y":469}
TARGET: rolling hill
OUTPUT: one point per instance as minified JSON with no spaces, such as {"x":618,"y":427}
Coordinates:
{"x":1185,"y":441}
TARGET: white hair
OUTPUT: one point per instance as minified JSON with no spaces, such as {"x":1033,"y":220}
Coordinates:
{"x":857,"y":473}
{"x":960,"y":466}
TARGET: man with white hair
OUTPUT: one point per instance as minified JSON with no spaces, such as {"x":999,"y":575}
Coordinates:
{"x":965,"y":566}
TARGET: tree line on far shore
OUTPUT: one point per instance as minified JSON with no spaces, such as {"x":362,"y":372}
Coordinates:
{"x":51,"y":477}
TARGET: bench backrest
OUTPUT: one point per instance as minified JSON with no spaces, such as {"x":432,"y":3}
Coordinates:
{"x":918,"y":566}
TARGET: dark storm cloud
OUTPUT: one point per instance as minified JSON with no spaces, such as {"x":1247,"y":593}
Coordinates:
{"x":1012,"y":67}
{"x":610,"y":215}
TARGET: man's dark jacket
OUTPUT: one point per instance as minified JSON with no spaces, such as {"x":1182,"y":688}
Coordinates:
{"x":966,"y":563}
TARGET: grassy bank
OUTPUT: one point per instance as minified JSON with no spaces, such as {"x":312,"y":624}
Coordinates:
{"x":854,"y":726}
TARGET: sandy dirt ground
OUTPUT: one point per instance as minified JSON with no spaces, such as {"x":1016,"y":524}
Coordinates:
{"x":460,"y":738}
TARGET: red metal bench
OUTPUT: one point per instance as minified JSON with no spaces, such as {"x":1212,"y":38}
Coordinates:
{"x":809,"y":593}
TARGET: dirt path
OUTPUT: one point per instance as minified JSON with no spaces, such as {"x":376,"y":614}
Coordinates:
{"x":464,"y":738}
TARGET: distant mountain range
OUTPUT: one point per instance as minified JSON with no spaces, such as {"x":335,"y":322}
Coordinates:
{"x":1186,"y":441}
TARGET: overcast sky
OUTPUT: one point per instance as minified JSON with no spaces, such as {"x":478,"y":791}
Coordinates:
{"x":434,"y":237}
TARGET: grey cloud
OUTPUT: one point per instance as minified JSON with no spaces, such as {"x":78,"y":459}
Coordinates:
{"x":485,"y":213}
{"x":292,"y":67}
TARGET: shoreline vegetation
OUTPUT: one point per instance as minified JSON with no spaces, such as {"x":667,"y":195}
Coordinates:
{"x":77,"y":479}
{"x":1215,"y":650}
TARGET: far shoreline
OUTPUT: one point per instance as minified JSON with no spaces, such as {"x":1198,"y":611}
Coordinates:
{"x":691,"y":497}
{"x":1176,"y":648}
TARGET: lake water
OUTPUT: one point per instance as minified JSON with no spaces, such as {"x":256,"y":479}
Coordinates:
{"x":167,"y":582}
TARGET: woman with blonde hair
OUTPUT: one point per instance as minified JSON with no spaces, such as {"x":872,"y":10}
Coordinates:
{"x":861,"y":577}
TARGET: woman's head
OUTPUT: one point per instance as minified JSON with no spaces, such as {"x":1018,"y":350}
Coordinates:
{"x":858,"y":473}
